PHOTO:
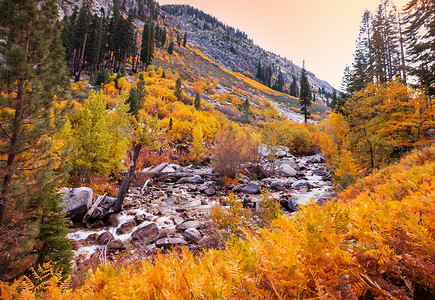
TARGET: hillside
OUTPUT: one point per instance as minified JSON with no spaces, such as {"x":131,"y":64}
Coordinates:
{"x":226,"y":46}
{"x":370,"y":242}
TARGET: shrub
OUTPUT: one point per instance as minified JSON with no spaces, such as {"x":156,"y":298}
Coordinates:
{"x":231,"y":150}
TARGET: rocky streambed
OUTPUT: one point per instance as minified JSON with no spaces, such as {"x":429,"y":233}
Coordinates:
{"x":172,"y":211}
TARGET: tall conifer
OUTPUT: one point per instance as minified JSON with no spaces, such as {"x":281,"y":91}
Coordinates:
{"x":305,"y":94}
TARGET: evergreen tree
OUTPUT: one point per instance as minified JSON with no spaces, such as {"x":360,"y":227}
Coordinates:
{"x":178,"y":90}
{"x":334,"y":99}
{"x":32,"y":79}
{"x":305,"y":94}
{"x":171,"y":48}
{"x":420,"y":33}
{"x":362,"y":68}
{"x":197,"y":101}
{"x":147,"y":48}
{"x":163,"y":38}
{"x":244,"y":107}
{"x":178,"y":40}
{"x":294,"y":87}
{"x":54,"y":246}
{"x":279,"y":83}
{"x":163,"y":74}
{"x":185,"y":39}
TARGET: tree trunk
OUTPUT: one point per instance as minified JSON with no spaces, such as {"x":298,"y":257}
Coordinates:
{"x":77,"y":78}
{"x":125,"y":185}
{"x":19,"y":111}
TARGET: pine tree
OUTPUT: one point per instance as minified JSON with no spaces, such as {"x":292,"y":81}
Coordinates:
{"x":171,"y":48}
{"x":197,"y":101}
{"x":185,"y":39}
{"x":305,"y":94}
{"x":147,"y":48}
{"x":279,"y":83}
{"x":33,"y":79}
{"x":178,"y":40}
{"x":54,"y":246}
{"x":163,"y":74}
{"x":420,"y":33}
{"x":294,"y":87}
{"x":362,"y":68}
{"x":178,"y":90}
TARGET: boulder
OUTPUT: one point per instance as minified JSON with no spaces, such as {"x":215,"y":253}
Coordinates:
{"x":237,"y":188}
{"x":192,"y":234}
{"x":315,"y":159}
{"x":126,"y":227}
{"x":251,"y":188}
{"x":321,"y":172}
{"x":115,"y":245}
{"x":92,"y":239}
{"x":145,"y":234}
{"x":290,"y":204}
{"x":139,"y":219}
{"x":277,"y":185}
{"x":287,"y":170}
{"x":210,"y":191}
{"x":188,"y":224}
{"x":177,"y":220}
{"x":170,"y":242}
{"x":301,"y":185}
{"x":193,"y":179}
{"x":105,"y":238}
{"x":76,"y":201}
{"x":113,"y":220}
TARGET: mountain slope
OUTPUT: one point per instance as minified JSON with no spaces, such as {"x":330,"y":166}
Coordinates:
{"x":230,"y":47}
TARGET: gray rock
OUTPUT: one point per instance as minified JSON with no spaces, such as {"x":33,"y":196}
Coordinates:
{"x":113,"y":220}
{"x":145,"y":234}
{"x":105,"y":238}
{"x":115,"y":245}
{"x":139,"y":219}
{"x":193,"y":179}
{"x":126,"y":227}
{"x":237,"y":189}
{"x":321,"y":172}
{"x":188,"y":224}
{"x":316,"y":159}
{"x":210,"y":191}
{"x":170,"y":242}
{"x":76,"y":201}
{"x":192,"y":234}
{"x":301,"y":185}
{"x":287,"y":170}
{"x":177,"y":220}
{"x":277,"y":185}
{"x":291,"y":204}
{"x":251,"y":188}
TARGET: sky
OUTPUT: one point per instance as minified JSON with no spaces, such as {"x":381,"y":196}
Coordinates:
{"x":321,"y":32}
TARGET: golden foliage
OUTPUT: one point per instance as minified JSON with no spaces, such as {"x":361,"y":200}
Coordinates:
{"x":231,"y":149}
{"x":376,"y":240}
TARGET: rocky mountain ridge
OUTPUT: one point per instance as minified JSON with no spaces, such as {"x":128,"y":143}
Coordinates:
{"x":233,"y":51}
{"x":225,"y":45}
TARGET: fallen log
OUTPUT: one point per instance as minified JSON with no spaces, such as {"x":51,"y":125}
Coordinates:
{"x":93,"y":207}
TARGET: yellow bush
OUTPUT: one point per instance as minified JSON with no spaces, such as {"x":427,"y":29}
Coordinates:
{"x":375,"y":241}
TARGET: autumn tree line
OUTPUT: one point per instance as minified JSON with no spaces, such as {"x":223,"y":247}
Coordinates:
{"x":387,"y":104}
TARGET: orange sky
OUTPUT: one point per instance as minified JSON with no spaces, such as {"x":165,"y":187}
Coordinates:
{"x":321,"y":32}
